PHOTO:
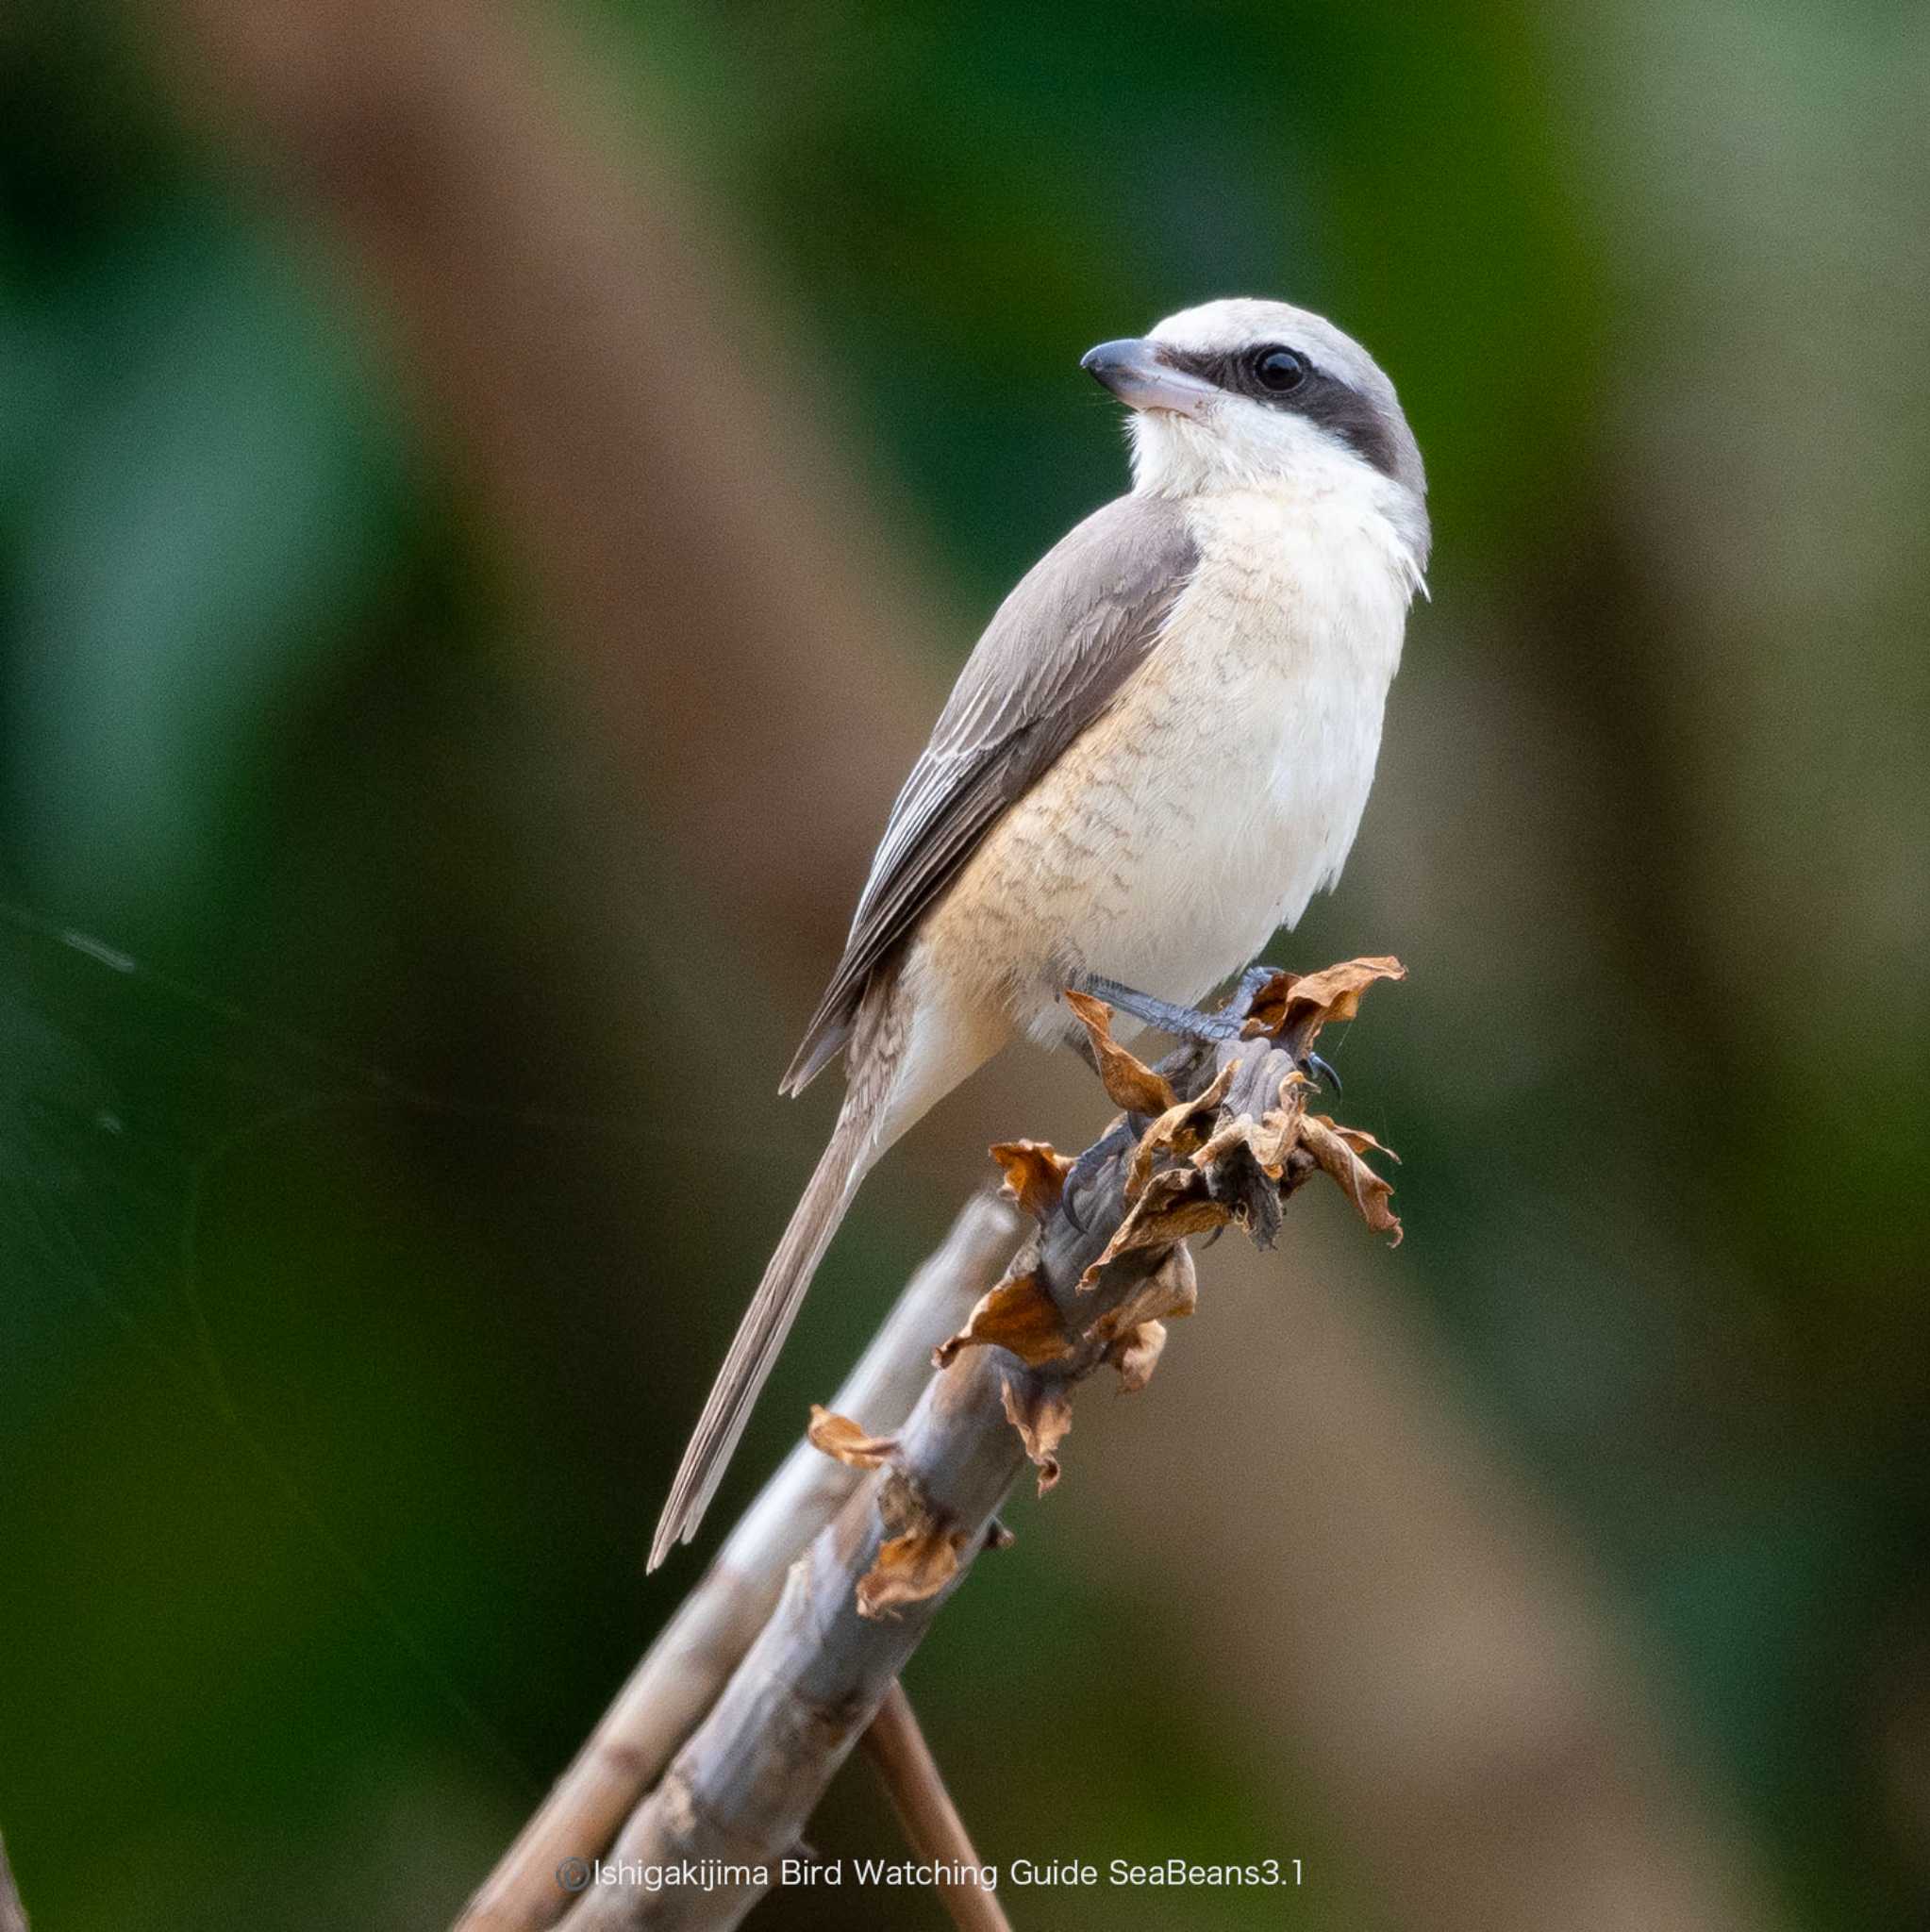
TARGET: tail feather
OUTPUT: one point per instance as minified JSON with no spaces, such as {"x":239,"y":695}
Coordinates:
{"x":766,"y":1322}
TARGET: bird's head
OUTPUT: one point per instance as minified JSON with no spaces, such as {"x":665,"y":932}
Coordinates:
{"x":1246,"y":395}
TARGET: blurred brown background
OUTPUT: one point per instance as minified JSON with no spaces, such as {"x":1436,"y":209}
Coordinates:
{"x":489,"y":501}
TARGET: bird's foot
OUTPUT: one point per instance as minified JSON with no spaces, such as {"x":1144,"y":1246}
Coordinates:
{"x":1189,"y":1022}
{"x":1166,"y":1016}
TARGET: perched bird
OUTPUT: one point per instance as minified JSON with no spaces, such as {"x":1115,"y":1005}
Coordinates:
{"x":1159,"y":750}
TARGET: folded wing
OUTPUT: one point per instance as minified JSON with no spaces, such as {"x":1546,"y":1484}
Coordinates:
{"x":1055,"y":655}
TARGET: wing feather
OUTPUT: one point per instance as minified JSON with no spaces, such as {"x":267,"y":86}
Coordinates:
{"x":1056,"y":655}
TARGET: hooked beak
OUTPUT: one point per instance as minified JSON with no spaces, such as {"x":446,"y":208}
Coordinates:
{"x":1132,"y":370}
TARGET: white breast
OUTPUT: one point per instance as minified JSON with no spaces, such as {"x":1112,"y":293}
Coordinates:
{"x":1218,"y":792}
{"x":1227,"y":783}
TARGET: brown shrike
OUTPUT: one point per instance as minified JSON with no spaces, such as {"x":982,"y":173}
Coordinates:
{"x":1158,"y":751}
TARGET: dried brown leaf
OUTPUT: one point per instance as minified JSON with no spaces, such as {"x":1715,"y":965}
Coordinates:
{"x":1338,"y":1150}
{"x":1317,"y":999}
{"x":840,"y":1437}
{"x":1358,"y":1138}
{"x":1035,"y":1174}
{"x":1171,"y":1292}
{"x":1042,"y":1412}
{"x":1135,"y":1354}
{"x":1173,"y":1206}
{"x":908,"y":1569}
{"x":1018,"y":1315}
{"x":1129,"y":1083}
{"x":1178,"y":1130}
{"x":916,"y":1561}
{"x":1135,"y":1328}
{"x":1270,"y":1138}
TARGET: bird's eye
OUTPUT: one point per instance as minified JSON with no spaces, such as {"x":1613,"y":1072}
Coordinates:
{"x":1277,"y":371}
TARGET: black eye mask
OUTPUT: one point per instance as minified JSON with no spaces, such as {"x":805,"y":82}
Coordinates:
{"x":1325,"y":400}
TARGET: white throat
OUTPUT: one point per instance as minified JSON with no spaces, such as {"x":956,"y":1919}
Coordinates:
{"x":1288,"y":459}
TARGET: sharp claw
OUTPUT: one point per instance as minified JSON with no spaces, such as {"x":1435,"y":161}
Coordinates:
{"x":1323,"y":1072}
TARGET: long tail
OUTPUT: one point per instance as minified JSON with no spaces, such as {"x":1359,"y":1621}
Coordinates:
{"x":853,"y":1148}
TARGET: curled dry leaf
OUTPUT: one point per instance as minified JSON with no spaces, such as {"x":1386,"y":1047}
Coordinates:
{"x":1035,"y":1174}
{"x":1358,"y":1138}
{"x":1129,"y":1083}
{"x":1135,"y":1330}
{"x":1042,"y":1412}
{"x":1180,"y":1130}
{"x":841,"y":1438}
{"x":1338,"y":1151}
{"x":1270,"y":1138}
{"x":1135,"y":1354}
{"x":914,"y":1562}
{"x":1171,"y":1292}
{"x":1318,"y":999}
{"x":908,"y":1569}
{"x":1174,"y":1205}
{"x":1018,"y":1315}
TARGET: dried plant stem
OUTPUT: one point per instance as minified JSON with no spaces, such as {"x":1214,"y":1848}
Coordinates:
{"x":1231,"y":1139}
{"x":741,"y":1792}
{"x":680,"y":1676}
{"x":909,"y":1773}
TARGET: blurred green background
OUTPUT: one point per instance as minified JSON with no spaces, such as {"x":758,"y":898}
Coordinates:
{"x":380,"y":898}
